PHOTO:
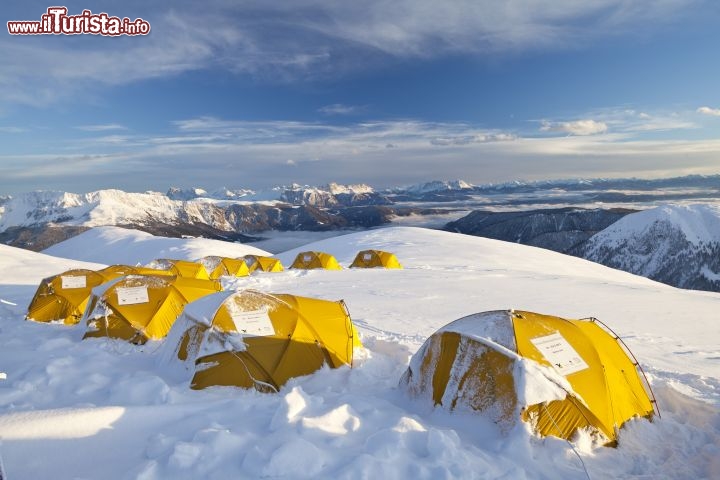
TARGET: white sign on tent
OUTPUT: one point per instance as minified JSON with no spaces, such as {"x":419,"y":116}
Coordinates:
{"x":132,"y":295}
{"x":73,"y":281}
{"x":560,"y":353}
{"x":253,"y":322}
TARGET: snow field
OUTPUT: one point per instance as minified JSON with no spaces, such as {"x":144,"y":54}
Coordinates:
{"x":106,"y":409}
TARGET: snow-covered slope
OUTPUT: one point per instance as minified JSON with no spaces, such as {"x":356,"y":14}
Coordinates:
{"x":112,"y":245}
{"x":677,"y":244}
{"x":100,"y":409}
{"x":23,"y":267}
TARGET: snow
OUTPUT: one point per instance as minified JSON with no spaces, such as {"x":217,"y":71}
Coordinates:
{"x":436,"y":186}
{"x":23,"y":267}
{"x":699,"y":223}
{"x":107,"y":409}
{"x":113,"y":245}
{"x":709,"y":274}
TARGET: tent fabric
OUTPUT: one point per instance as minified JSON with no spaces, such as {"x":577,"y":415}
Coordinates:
{"x":375,"y":258}
{"x":258,"y":340}
{"x":473,"y":363}
{"x":181,"y":268}
{"x":63,"y":297}
{"x":138,"y":308}
{"x":263,"y":264}
{"x":312,"y":260}
{"x":224,"y":266}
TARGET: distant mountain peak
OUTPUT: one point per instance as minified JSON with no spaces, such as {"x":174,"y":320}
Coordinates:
{"x":437,"y":186}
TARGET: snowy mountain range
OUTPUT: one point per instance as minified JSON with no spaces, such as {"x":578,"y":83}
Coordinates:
{"x":677,"y":244}
{"x":36,"y":220}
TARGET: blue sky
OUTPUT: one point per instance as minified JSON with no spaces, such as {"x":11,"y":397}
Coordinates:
{"x":255,"y":94}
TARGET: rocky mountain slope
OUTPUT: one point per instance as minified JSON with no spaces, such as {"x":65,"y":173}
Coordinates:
{"x":560,"y":229}
{"x":678,"y":245}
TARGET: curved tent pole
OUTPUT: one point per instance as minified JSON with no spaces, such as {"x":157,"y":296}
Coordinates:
{"x":629,"y":352}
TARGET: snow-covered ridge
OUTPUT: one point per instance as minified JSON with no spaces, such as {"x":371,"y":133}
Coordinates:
{"x":675,"y":244}
{"x":436,"y":186}
{"x":697,"y":223}
{"x":103,"y":207}
{"x":187,"y":206}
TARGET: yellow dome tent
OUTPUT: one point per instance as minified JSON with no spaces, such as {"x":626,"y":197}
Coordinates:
{"x":224,"y":266}
{"x":264,"y":264}
{"x":139,"y":308}
{"x":311,"y":260}
{"x":181,"y":268}
{"x":375,"y":258}
{"x":63,"y":297}
{"x":480,"y":363}
{"x":258,"y":340}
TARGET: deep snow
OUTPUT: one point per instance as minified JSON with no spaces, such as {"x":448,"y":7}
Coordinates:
{"x":105,"y":409}
{"x":112,"y":245}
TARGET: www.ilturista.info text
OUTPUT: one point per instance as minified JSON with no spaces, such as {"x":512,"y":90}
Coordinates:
{"x":57,"y":22}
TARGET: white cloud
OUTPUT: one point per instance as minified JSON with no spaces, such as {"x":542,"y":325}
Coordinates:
{"x":341,"y":109}
{"x":299,"y":39}
{"x":101,"y":128}
{"x":12,"y":130}
{"x":577,"y":127}
{"x":715,"y":112}
{"x":262,"y":154}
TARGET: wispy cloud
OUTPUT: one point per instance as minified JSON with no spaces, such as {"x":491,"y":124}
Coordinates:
{"x":576,"y":127}
{"x":715,"y":112}
{"x":341,"y":109}
{"x":101,"y":128}
{"x":622,"y":120}
{"x":299,"y":39}
{"x":13,"y":130}
{"x":203,"y":150}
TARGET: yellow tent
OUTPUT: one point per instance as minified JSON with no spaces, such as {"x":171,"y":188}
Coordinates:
{"x":181,"y":268}
{"x":310,"y":260}
{"x":224,"y":266}
{"x":489,"y":362}
{"x":139,"y":308}
{"x":259,"y":340}
{"x":375,"y":258}
{"x":264,"y":264}
{"x":63,"y":297}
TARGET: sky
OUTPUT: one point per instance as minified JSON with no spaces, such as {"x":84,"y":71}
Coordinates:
{"x":253,"y":94}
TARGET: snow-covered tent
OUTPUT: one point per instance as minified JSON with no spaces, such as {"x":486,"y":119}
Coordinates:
{"x":63,"y":297}
{"x":559,"y":375}
{"x":224,"y":266}
{"x":375,"y":258}
{"x":259,"y":340}
{"x":139,"y":308}
{"x":181,"y":268}
{"x":264,"y":264}
{"x":311,"y":260}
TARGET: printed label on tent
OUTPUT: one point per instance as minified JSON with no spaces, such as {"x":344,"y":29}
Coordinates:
{"x":307,"y":258}
{"x":560,"y":353}
{"x":254,"y":322}
{"x":367,"y":257}
{"x":73,"y":281}
{"x":132,"y":295}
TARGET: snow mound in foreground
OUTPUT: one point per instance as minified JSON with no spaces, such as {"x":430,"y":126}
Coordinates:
{"x":112,"y":245}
